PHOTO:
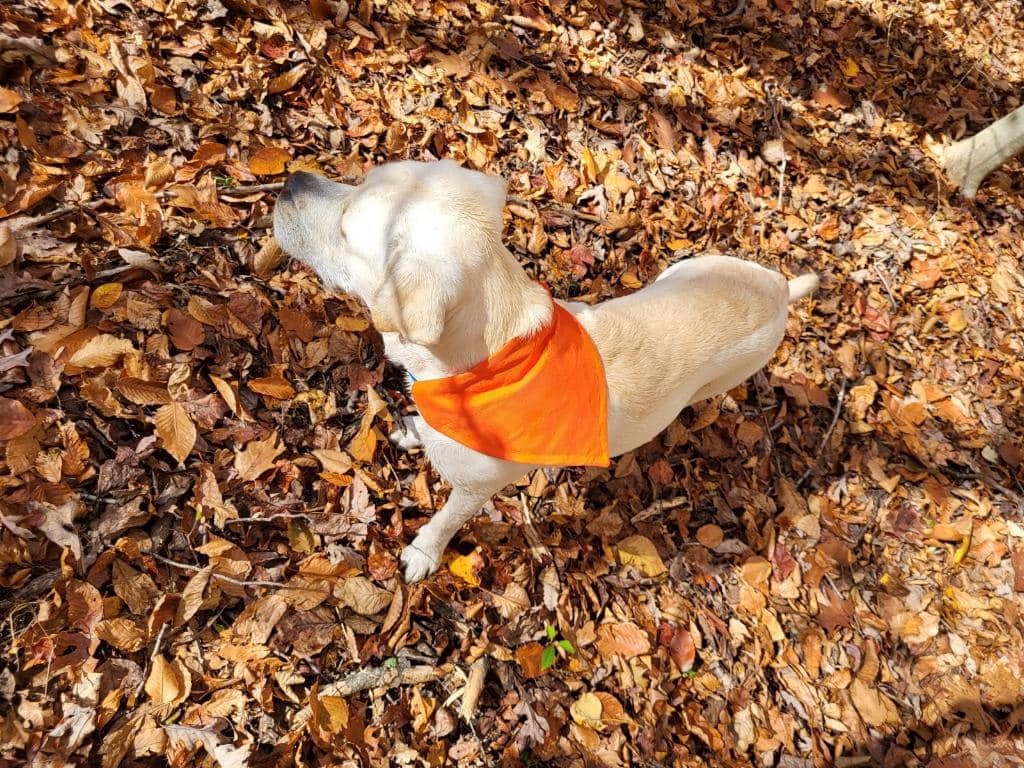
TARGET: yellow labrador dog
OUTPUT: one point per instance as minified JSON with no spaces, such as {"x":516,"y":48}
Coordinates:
{"x":420,"y":244}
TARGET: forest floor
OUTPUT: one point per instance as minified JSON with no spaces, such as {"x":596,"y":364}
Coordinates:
{"x":200,"y":517}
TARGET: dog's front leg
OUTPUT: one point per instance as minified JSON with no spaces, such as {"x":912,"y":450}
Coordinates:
{"x":406,"y":436}
{"x":423,"y":556}
{"x":474,"y":478}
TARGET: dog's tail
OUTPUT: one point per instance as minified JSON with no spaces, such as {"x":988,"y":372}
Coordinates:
{"x":802,"y":286}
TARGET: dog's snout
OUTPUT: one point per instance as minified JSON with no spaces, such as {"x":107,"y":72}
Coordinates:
{"x":300,"y":181}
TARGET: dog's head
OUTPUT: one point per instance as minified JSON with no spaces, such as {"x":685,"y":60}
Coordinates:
{"x":406,"y":241}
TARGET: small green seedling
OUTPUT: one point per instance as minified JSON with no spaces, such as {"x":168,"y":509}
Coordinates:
{"x":547,"y":658}
{"x":391,"y":662}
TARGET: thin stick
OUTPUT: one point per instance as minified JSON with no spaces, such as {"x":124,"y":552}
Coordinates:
{"x":828,"y":434}
{"x":228,"y":579}
{"x":375,"y":677}
{"x":275,"y":516}
{"x":28,"y":222}
{"x":515,"y":200}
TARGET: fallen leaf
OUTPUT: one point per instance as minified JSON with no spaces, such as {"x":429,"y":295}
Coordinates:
{"x":466,"y":567}
{"x":624,"y":638}
{"x":269,"y":161}
{"x":169,"y":682}
{"x":257,"y":457}
{"x":176,"y":430}
{"x":639,"y":551}
{"x":15,"y":419}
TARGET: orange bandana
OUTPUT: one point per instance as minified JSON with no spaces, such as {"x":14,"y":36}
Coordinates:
{"x":541,"y":399}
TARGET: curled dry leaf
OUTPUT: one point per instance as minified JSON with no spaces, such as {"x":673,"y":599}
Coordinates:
{"x":363,"y":596}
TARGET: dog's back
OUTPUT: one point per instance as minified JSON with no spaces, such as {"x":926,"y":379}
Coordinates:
{"x":704,"y":326}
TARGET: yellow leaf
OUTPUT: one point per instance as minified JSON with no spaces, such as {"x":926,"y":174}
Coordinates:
{"x":269,"y":161}
{"x":176,"y":430}
{"x":961,"y":551}
{"x":106,"y":295}
{"x":957,"y":321}
{"x":850,"y":68}
{"x":639,"y":551}
{"x":9,"y":100}
{"x":586,"y":710}
{"x":467,"y":566}
{"x":354,"y":324}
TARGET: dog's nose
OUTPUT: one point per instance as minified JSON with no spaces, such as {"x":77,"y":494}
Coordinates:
{"x":300,"y":181}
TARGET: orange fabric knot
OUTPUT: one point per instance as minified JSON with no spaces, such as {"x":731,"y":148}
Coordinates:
{"x":541,"y":399}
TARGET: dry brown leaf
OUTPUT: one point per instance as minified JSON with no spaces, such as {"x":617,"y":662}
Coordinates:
{"x":106,"y":295}
{"x":286,"y":80}
{"x":363,"y":596}
{"x":192,"y":595}
{"x":269,"y":161}
{"x":186,"y":332}
{"x":176,"y":430}
{"x":169,"y":682}
{"x":134,"y":587}
{"x":9,"y":100}
{"x":15,"y":419}
{"x":624,"y":638}
{"x":872,"y":705}
{"x":640,"y":552}
{"x":257,"y":457}
{"x":142,"y":392}
{"x":101,"y":351}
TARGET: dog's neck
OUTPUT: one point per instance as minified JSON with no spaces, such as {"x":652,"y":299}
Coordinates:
{"x":502,"y":304}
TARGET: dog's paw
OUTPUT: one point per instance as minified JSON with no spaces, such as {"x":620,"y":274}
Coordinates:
{"x":417,"y":564}
{"x":406,"y":437}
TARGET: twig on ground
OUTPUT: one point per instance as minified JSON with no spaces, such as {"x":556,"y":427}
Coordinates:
{"x":474,"y":687}
{"x":151,"y":659}
{"x":828,"y":434}
{"x":222,"y":577}
{"x":275,"y":516}
{"x":402,"y":673}
{"x":885,"y":284}
{"x":769,"y":91}
{"x":657,"y":508}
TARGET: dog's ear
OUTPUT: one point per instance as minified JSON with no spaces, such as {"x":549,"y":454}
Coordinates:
{"x":413,"y":298}
{"x":412,"y":307}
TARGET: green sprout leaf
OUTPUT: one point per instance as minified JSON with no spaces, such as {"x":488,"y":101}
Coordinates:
{"x":566,"y":646}
{"x":548,"y":657}
{"x":551,"y":632}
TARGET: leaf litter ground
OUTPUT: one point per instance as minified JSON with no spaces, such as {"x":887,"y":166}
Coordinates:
{"x":200,"y":515}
